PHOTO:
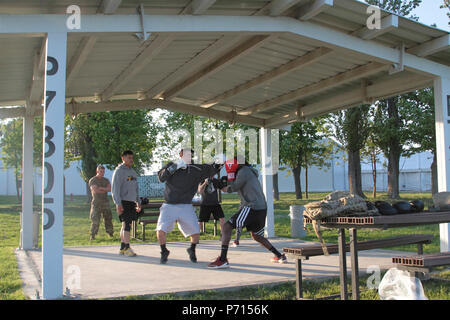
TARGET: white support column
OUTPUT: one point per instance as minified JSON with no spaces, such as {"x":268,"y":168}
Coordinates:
{"x":53,"y":166}
{"x":442,"y":109}
{"x":26,"y":228}
{"x":269,"y":155}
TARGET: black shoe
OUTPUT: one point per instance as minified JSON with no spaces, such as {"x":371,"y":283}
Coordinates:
{"x":191,"y":253}
{"x":164,"y":256}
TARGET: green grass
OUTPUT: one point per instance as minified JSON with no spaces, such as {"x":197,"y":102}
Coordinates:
{"x":313,"y":289}
{"x":77,"y":227}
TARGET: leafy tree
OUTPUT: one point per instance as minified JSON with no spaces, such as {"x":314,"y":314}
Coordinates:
{"x":11,"y":139}
{"x":420,"y":116}
{"x":446,"y":5}
{"x":388,"y":117}
{"x":100,"y":138}
{"x":351,"y":129}
{"x":303,"y":146}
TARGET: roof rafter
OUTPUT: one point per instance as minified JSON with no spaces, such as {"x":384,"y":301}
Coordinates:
{"x":278,"y":7}
{"x":293,"y":65}
{"x":36,"y":94}
{"x":342,"y":78}
{"x":228,"y":58}
{"x":146,"y":55}
{"x":80,"y":56}
{"x":311,"y":10}
{"x":202,"y":58}
{"x":109,"y":6}
{"x":201,"y":6}
{"x":431,"y":47}
{"x":379,"y":90}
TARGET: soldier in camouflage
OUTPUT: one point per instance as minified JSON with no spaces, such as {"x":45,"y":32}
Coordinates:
{"x":100,"y":187}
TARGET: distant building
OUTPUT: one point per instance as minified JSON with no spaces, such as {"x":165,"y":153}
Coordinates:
{"x":415,"y":176}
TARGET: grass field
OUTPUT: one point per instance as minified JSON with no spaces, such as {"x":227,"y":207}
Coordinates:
{"x":77,"y":226}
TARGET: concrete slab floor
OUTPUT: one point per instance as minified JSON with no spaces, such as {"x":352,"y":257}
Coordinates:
{"x":100,"y":272}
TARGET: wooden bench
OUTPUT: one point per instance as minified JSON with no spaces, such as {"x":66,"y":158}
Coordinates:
{"x":305,"y":252}
{"x":422,"y":262}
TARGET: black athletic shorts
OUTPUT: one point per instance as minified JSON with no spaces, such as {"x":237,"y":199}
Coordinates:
{"x":253,"y":220}
{"x":129,"y":213}
{"x":206,"y":211}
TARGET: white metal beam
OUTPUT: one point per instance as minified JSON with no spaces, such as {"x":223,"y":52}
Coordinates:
{"x":200,"y":60}
{"x":311,"y":10}
{"x":442,"y":111}
{"x":26,"y":221}
{"x":342,"y":78}
{"x":42,"y":23}
{"x":36,"y":96}
{"x":81,"y":54}
{"x":293,"y":65}
{"x":278,"y":7}
{"x":228,"y":58}
{"x":388,"y":24}
{"x":109,"y":6}
{"x":152,"y":50}
{"x":201,"y":6}
{"x":269,"y":149}
{"x":164,"y":104}
{"x":53,"y":167}
{"x":431,"y":47}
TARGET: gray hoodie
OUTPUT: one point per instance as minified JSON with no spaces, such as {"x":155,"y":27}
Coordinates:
{"x":249,"y":189}
{"x":124,"y":185}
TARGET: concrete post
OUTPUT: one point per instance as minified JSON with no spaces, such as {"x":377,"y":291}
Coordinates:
{"x":269,"y":155}
{"x":442,"y":110}
{"x":53,"y":166}
{"x":26,"y":228}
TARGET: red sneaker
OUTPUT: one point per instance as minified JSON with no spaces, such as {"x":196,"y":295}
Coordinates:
{"x":219,"y":264}
{"x":235,"y":244}
{"x":281,"y":259}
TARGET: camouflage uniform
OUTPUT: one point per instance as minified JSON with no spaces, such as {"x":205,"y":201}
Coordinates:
{"x":100,"y":206}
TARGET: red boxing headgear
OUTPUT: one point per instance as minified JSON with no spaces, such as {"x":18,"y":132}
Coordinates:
{"x":231,"y":167}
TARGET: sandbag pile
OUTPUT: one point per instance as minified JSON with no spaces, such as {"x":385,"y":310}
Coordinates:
{"x":339,"y":203}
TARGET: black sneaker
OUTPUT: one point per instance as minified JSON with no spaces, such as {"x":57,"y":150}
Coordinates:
{"x":164,"y":256}
{"x":191,"y":253}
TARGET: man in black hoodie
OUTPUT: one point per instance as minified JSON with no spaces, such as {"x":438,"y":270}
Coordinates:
{"x":182,"y":179}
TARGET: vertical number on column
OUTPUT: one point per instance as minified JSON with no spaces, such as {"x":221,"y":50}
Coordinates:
{"x":50,"y":95}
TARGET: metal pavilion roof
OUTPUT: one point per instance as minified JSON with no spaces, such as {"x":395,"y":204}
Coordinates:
{"x":266,"y":78}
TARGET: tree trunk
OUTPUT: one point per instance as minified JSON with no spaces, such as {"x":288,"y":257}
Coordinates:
{"x":395,"y":151}
{"x":306,"y":182}
{"x":306,"y":176}
{"x":434,"y":175}
{"x":276,"y":192}
{"x":298,"y":187}
{"x":88,"y":192}
{"x":19,"y":198}
{"x":393,"y":175}
{"x":354,"y":173}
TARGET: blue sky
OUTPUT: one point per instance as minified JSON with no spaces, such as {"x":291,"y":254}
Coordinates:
{"x":429,"y":13}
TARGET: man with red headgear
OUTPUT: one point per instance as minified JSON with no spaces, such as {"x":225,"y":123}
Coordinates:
{"x":243,"y":179}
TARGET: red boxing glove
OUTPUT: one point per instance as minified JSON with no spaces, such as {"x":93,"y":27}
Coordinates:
{"x":231,"y":167}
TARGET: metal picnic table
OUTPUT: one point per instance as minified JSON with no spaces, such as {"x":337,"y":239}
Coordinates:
{"x":373,"y":222}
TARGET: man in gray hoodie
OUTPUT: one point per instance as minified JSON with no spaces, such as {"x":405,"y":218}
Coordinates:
{"x":125,"y":195}
{"x":252,"y":213}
